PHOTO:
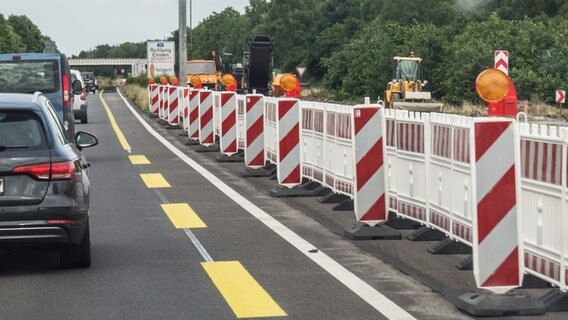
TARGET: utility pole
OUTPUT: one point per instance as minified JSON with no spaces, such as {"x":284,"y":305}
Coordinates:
{"x":190,"y":25}
{"x":182,"y":41}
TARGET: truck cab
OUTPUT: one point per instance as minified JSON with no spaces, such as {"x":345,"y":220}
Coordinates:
{"x":203,"y":73}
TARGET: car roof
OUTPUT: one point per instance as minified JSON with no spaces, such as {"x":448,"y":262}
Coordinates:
{"x":79,"y":76}
{"x":23,"y":101}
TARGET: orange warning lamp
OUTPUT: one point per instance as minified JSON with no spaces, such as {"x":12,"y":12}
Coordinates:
{"x":195,"y":82}
{"x":174,"y":80}
{"x":288,"y":82}
{"x":163,"y":80}
{"x":228,"y":80}
{"x":150,"y":80}
{"x":492,"y":85}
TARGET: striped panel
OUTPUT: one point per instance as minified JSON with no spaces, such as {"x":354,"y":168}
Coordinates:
{"x":440,"y":220}
{"x":228,"y":123}
{"x":370,"y":197}
{"x":541,"y":161}
{"x":411,"y":211}
{"x":185,"y":108}
{"x":254,"y":142}
{"x":461,"y":145}
{"x":163,"y":114}
{"x":410,"y":137}
{"x":288,"y":170}
{"x":154,"y":98}
{"x":194,"y":114}
{"x":546,"y":267}
{"x":391,"y":132}
{"x":496,"y":260}
{"x":173,"y":117}
{"x":393,"y":204}
{"x":206,"y":137}
{"x":441,"y":141}
{"x":462,"y":231}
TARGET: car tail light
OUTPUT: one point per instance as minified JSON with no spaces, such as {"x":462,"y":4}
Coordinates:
{"x":65,"y":86}
{"x":48,"y":171}
{"x":16,"y":57}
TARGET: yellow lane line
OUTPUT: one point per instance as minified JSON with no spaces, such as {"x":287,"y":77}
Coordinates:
{"x":139,"y":159}
{"x":114,"y":125}
{"x":154,"y":180}
{"x":243,"y":294}
{"x":183,"y":216}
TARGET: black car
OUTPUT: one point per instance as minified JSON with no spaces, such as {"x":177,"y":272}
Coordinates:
{"x":44,"y":183}
{"x":90,"y":81}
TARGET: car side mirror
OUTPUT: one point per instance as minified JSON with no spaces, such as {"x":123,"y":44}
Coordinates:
{"x":77,"y":88}
{"x":85,"y":140}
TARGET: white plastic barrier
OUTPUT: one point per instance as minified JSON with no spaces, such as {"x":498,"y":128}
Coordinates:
{"x":217,"y":113}
{"x":545,"y":194}
{"x":241,"y":128}
{"x":184,"y":107}
{"x":270,"y":129}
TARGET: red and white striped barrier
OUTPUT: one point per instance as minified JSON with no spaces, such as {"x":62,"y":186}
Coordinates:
{"x":544,"y":190}
{"x":184,"y":107}
{"x":369,"y":149}
{"x":496,"y":238}
{"x":193,"y":121}
{"x":271,"y":129}
{"x":228,"y":119}
{"x":288,"y":170}
{"x":254,"y":124}
{"x":163,"y":97}
{"x":206,"y":134}
{"x":153,"y":98}
{"x":173,"y":102}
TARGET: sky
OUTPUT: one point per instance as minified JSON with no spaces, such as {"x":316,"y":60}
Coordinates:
{"x":77,"y":25}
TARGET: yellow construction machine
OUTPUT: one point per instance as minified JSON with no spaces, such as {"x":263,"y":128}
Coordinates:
{"x":405,"y":91}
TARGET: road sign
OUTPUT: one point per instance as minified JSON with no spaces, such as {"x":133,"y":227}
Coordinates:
{"x":300,"y":71}
{"x":560,"y":96}
{"x":502,"y":61}
{"x":161,"y":56}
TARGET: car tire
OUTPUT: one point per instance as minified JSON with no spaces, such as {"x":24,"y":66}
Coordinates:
{"x":77,"y":256}
{"x":84,"y":118}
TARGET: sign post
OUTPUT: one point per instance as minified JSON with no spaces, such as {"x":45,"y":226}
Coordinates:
{"x":161,"y":57}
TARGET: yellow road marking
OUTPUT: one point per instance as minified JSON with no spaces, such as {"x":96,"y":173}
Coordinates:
{"x":114,"y":125}
{"x":154,"y":180}
{"x":183,"y":216}
{"x":137,"y":160}
{"x":243,"y":294}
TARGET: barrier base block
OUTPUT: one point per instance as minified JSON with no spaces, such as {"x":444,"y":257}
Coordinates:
{"x":173,"y":127}
{"x":465,"y":263}
{"x":266,"y":171}
{"x":163,"y":122}
{"x":307,"y":189}
{"x":237,"y":157}
{"x":212,"y":148}
{"x":426,"y":234}
{"x":347,"y":205}
{"x":192,"y":142}
{"x":323,"y":192}
{"x":361,"y":231}
{"x":555,"y":301}
{"x":183,"y":134}
{"x":449,"y":246}
{"x":402,"y":224}
{"x":333,"y":198}
{"x":154,"y":116}
{"x":487,"y":304}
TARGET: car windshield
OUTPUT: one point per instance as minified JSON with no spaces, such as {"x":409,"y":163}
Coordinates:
{"x":29,"y":76}
{"x":200,"y":68}
{"x":87,"y":75}
{"x":20,"y":130}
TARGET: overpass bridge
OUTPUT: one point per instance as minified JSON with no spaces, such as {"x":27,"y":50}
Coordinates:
{"x":138,"y":66}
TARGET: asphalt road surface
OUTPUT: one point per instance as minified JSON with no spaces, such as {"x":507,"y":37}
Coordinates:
{"x":177,"y":235}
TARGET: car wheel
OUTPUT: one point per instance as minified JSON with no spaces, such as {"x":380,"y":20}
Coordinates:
{"x":84,"y":118}
{"x":77,"y":256}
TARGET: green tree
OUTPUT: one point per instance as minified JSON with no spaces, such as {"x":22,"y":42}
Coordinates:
{"x":10,"y":41}
{"x":31,"y":37}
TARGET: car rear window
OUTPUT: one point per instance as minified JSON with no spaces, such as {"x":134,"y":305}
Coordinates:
{"x":19,"y":130}
{"x":29,"y":76}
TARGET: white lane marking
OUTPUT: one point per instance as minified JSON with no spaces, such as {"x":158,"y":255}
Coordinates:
{"x":369,"y":294}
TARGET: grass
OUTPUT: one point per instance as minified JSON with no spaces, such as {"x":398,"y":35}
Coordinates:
{"x":137,"y":94}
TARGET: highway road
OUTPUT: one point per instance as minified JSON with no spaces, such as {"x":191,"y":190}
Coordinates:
{"x":177,"y":235}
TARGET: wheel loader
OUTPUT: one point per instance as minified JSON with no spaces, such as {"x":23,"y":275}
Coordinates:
{"x":405,"y":91}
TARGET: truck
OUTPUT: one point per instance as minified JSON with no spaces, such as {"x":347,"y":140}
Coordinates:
{"x":203,"y":73}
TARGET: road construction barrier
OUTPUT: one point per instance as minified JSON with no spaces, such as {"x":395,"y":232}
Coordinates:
{"x":544,"y":190}
{"x":254,"y":123}
{"x":206,"y":126}
{"x":184,"y":107}
{"x":288,"y":149}
{"x":228,"y":123}
{"x":217,"y":113}
{"x":163,"y":104}
{"x":173,"y":103}
{"x":193,"y":114}
{"x":270,"y":129}
{"x":153,"y":98}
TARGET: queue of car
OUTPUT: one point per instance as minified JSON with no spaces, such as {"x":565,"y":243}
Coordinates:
{"x":44,"y":183}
